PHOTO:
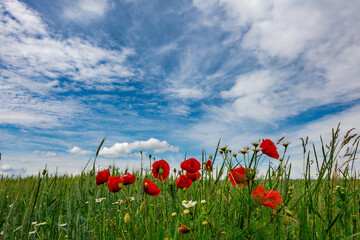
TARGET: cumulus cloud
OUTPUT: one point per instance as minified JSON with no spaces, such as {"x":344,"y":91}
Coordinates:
{"x":122,"y":149}
{"x":79,"y":151}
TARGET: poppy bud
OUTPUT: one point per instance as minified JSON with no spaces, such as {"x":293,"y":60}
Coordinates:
{"x":210,"y":156}
{"x":127,"y":218}
{"x":183,"y":229}
{"x":288,"y":212}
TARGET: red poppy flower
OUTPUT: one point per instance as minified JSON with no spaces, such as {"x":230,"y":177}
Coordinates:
{"x":161,"y":169}
{"x":115,"y":183}
{"x":151,"y":188}
{"x":191,"y":165}
{"x":102,"y":177}
{"x":270,"y":198}
{"x":128,"y":178}
{"x":208,"y":165}
{"x":238,"y":176}
{"x":183,"y":181}
{"x":269,"y":148}
{"x":183,"y":229}
{"x":193,"y":176}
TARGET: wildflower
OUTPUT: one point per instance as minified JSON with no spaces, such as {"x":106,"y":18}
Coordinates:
{"x":151,"y":188}
{"x":121,"y":202}
{"x":99,"y":200}
{"x":131,"y":199}
{"x":210,"y":156}
{"x":86,"y":202}
{"x":186,"y":212}
{"x":269,"y":198}
{"x":191,"y":165}
{"x":128,"y":179}
{"x":33,"y":223}
{"x":238,"y":176}
{"x":115,"y":183}
{"x":183,"y":182}
{"x":203,"y":201}
{"x":255,"y":144}
{"x":269,"y":148}
{"x":234,"y":154}
{"x":63,"y":224}
{"x":127,"y":218}
{"x":33,"y":232}
{"x":161,"y":169}
{"x":194,"y":176}
{"x":183,"y":229}
{"x":184,"y":202}
{"x":189,"y":204}
{"x":102,"y":177}
{"x":224,"y":148}
{"x":204,"y":223}
{"x":174,"y":214}
{"x":208,"y":165}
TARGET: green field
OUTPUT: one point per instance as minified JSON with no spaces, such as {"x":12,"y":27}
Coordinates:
{"x":74,"y":207}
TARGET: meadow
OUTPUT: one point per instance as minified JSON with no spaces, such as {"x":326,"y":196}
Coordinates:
{"x":194,"y":200}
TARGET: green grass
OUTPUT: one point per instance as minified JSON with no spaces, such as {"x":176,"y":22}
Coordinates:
{"x":323,"y":208}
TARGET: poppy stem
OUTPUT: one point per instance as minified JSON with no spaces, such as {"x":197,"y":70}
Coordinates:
{"x":146,"y":222}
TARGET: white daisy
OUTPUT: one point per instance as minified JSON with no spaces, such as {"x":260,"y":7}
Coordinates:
{"x":99,"y":199}
{"x":189,"y":204}
{"x":63,"y":224}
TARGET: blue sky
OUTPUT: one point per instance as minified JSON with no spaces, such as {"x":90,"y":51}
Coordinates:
{"x":171,"y":77}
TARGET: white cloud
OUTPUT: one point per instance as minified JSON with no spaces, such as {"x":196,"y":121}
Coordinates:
{"x":45,"y":154}
{"x":77,"y":150}
{"x":86,"y":10}
{"x":122,"y":149}
{"x":320,"y":37}
{"x":34,"y":60}
{"x":6,"y":169}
